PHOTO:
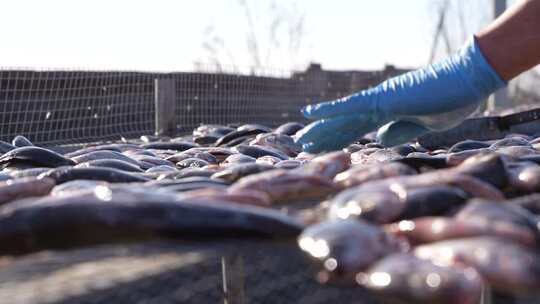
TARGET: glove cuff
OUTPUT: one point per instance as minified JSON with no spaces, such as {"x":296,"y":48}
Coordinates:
{"x":480,"y":74}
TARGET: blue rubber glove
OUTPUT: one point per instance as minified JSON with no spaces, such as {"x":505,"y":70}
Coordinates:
{"x":436,"y":97}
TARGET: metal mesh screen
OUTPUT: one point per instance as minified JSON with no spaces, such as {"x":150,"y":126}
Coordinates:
{"x":56,"y":107}
{"x":60,"y":107}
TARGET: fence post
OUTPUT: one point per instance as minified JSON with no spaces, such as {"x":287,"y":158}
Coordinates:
{"x":232,"y":267}
{"x":165,"y":106}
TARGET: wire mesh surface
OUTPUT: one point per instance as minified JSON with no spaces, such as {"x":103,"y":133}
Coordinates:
{"x":167,"y":272}
{"x":55,"y":107}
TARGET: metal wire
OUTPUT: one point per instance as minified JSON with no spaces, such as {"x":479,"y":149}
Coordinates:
{"x":53,"y":107}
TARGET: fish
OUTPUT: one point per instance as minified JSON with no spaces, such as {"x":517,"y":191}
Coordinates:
{"x":420,"y":161}
{"x":24,"y":187}
{"x":123,"y":214}
{"x":257,"y":151}
{"x":161,"y":169}
{"x":508,"y":267}
{"x":5,"y":147}
{"x":481,"y":211}
{"x":220,"y":153}
{"x":288,"y":164}
{"x":344,"y":248}
{"x":111,"y":163}
{"x":431,"y":229}
{"x":326,"y":165}
{"x":178,"y":157}
{"x":289,"y":128}
{"x":471,"y":185}
{"x":529,"y":202}
{"x":87,"y":150}
{"x":238,"y":158}
{"x":66,"y":174}
{"x":21,"y":141}
{"x":517,"y":151}
{"x":373,"y":155}
{"x":511,"y":142}
{"x":523,"y":177}
{"x":280,"y":142}
{"x":35,"y":156}
{"x":76,"y":186}
{"x":104,"y":154}
{"x":269,"y":160}
{"x":152,"y":161}
{"x":403,"y":278}
{"x":192,"y":162}
{"x":205,"y":130}
{"x":454,"y":159}
{"x":360,"y":174}
{"x":248,"y":197}
{"x":487,"y":167}
{"x":245,"y":131}
{"x":403,"y":150}
{"x":386,"y":205}
{"x":170,"y":145}
{"x":235,"y":172}
{"x":468,"y":145}
{"x":286,"y":186}
{"x":33,"y":172}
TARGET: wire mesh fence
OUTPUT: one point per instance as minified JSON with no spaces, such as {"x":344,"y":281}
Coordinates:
{"x":55,"y":107}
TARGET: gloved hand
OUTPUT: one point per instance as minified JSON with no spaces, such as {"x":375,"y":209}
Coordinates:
{"x":436,"y":97}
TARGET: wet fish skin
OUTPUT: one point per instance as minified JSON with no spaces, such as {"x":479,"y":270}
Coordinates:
{"x":152,"y":161}
{"x":454,"y":159}
{"x":289,"y":128}
{"x":257,"y":151}
{"x":244,"y":133}
{"x":286,"y":186}
{"x":192,"y":162}
{"x":280,"y":142}
{"x":235,"y":172}
{"x":35,"y":156}
{"x":104,"y":154}
{"x":523,"y":177}
{"x":270,"y":160}
{"x":508,"y":267}
{"x":82,"y":151}
{"x":33,"y":172}
{"x":111,"y":163}
{"x":288,"y":164}
{"x":488,"y":167}
{"x":471,"y":185}
{"x":511,"y":142}
{"x":435,"y":228}
{"x":468,"y":145}
{"x":344,"y":248}
{"x":21,"y":141}
{"x":5,"y":147}
{"x":170,"y":145}
{"x":112,"y":215}
{"x":484,"y":211}
{"x":239,"y":158}
{"x":24,"y":187}
{"x":66,"y":174}
{"x":326,"y":165}
{"x":161,"y":169}
{"x":403,"y":278}
{"x":248,"y":197}
{"x":384,"y":205}
{"x":76,"y":186}
{"x":360,"y":174}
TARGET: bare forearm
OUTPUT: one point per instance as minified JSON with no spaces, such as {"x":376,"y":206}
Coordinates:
{"x":511,"y":43}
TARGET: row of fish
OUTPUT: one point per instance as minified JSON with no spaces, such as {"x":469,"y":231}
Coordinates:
{"x":409,"y":224}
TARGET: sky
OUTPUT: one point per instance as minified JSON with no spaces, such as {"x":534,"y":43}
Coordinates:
{"x":167,"y":35}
